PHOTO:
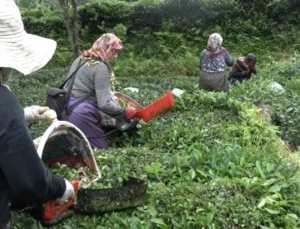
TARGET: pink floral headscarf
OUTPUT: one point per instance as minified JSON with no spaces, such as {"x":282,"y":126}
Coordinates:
{"x":107,"y":41}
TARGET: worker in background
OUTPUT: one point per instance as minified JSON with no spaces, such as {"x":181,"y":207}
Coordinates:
{"x":213,"y":62}
{"x":242,"y":69}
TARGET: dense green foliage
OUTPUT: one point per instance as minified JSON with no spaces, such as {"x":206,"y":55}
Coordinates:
{"x":155,"y":31}
{"x":213,"y":161}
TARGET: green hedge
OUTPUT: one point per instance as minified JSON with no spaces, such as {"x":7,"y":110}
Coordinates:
{"x":167,"y":29}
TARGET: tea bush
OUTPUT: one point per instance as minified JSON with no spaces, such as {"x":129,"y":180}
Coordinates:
{"x":158,"y":30}
{"x":211,"y":162}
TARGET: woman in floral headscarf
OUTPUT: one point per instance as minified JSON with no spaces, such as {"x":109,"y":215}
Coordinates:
{"x":95,"y":81}
{"x":213,"y":61}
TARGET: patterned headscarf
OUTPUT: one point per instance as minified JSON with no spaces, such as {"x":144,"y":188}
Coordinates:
{"x":214,"y":43}
{"x":107,"y":41}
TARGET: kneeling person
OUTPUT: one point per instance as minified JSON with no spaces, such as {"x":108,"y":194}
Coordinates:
{"x":243,"y":69}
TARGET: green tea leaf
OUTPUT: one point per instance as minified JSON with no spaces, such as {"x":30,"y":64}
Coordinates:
{"x":262,"y":203}
{"x":273,"y":212}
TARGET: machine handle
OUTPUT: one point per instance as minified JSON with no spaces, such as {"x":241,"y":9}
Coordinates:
{"x":53,"y":211}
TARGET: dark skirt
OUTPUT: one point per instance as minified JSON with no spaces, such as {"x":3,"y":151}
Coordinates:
{"x":213,"y":81}
{"x":87,"y":118}
{"x":232,"y":80}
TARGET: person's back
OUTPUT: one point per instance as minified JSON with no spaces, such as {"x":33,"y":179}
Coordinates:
{"x":213,"y":62}
{"x":91,"y":91}
{"x":92,"y":82}
{"x":216,"y":62}
{"x":92,"y":79}
{"x":34,"y":185}
{"x":7,"y":105}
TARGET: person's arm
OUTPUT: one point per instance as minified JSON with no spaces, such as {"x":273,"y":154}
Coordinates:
{"x":236,"y":72}
{"x":102,"y":89}
{"x":24,"y":171}
{"x":253,"y":70}
{"x":200,"y":61}
{"x":228,"y":59}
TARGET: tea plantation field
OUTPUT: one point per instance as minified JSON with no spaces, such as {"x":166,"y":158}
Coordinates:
{"x":214,"y":161}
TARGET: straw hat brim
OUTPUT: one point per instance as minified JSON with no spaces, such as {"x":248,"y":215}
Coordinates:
{"x":18,"y":49}
{"x":28,"y":54}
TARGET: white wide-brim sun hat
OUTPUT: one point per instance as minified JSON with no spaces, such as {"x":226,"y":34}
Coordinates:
{"x":19,"y":50}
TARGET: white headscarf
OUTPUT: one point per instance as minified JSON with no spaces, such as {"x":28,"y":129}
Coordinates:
{"x":214,"y":43}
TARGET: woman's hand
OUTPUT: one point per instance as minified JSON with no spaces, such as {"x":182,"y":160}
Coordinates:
{"x":130,"y":113}
{"x":246,"y":73}
{"x":69,"y":193}
{"x":35,"y":113}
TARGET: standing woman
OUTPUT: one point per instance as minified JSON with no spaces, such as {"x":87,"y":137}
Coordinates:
{"x":213,"y":61}
{"x":94,"y":80}
{"x":23,"y":175}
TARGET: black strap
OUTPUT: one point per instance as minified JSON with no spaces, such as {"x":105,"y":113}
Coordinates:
{"x":71,"y":108}
{"x":69,"y":89}
{"x":79,"y":66}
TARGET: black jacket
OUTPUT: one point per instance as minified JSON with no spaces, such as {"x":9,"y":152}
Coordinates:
{"x":22,"y":173}
{"x":239,"y":72}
